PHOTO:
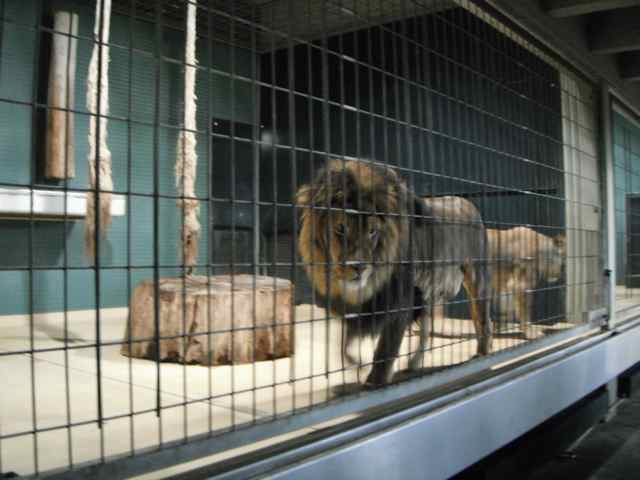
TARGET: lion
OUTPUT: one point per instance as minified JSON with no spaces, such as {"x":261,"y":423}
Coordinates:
{"x":520,"y":259}
{"x":379,"y":256}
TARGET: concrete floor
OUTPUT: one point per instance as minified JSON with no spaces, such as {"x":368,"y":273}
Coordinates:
{"x":611,"y":451}
{"x":627,"y":297}
{"x":55,"y":388}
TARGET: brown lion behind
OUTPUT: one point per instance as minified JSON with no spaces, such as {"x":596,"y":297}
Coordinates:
{"x":521,"y":258}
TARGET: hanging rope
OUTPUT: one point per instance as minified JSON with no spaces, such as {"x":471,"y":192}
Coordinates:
{"x":99,"y":87}
{"x":187,"y":159}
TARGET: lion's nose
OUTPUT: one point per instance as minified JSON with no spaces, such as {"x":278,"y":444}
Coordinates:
{"x":359,"y":269}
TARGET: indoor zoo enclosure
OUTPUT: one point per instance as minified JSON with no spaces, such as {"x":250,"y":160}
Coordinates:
{"x":152,"y":159}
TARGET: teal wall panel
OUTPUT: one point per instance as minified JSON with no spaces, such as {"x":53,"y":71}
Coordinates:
{"x":626,"y":157}
{"x":15,"y":143}
{"x":132,"y":97}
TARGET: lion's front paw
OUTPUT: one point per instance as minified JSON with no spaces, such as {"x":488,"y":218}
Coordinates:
{"x":485,"y":346}
{"x":417,"y":361}
{"x":378,"y":377}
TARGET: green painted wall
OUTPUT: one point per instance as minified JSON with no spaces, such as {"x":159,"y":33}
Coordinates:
{"x":18,"y":166}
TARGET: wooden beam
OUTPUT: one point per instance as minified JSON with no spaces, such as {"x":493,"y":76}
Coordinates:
{"x":616,"y":31}
{"x":60,"y":144}
{"x":629,"y":63}
{"x":570,"y":8}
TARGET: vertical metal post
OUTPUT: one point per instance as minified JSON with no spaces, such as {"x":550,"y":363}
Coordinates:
{"x":294,"y":187}
{"x":130,"y":57}
{"x":156,"y":204}
{"x":257,"y":238}
{"x":31,"y":236}
{"x":97,"y":230}
{"x":606,"y":143}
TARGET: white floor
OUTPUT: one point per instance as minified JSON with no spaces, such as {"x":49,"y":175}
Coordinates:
{"x":238,"y":394}
{"x":627,"y":297}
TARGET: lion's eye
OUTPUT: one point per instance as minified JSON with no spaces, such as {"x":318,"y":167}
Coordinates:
{"x":340,"y":229}
{"x":373,"y":232}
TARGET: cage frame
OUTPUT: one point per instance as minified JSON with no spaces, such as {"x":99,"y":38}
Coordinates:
{"x":197,"y":447}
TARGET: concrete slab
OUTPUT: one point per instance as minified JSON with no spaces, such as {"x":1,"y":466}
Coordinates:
{"x":56,"y":388}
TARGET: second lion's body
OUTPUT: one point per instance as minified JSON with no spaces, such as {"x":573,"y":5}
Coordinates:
{"x":521,"y":258}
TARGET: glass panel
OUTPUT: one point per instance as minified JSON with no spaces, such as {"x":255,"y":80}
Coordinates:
{"x":626,"y":157}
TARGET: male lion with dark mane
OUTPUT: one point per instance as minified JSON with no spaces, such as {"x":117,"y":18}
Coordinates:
{"x":520,"y":259}
{"x":380,"y":256}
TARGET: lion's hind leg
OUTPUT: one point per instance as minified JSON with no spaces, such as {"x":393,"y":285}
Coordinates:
{"x":423,"y":319}
{"x":524,"y":306}
{"x":348,"y":337}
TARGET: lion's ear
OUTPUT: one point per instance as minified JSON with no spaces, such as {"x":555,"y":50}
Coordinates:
{"x":336,"y":164}
{"x":303,"y":195}
{"x":421,"y":210}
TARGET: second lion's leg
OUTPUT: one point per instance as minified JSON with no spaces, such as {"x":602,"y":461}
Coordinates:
{"x":475,"y":284}
{"x":523,"y":309}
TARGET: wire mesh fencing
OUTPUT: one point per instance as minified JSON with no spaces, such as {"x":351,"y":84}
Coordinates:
{"x":219,"y":213}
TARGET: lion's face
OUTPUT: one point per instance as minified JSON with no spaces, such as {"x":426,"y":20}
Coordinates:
{"x":347,"y":238}
{"x":355,"y":243}
{"x":553,"y":258}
